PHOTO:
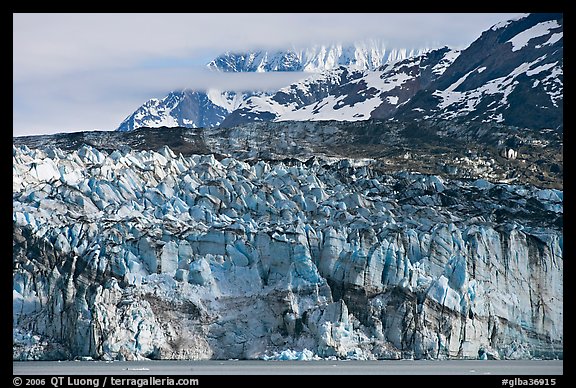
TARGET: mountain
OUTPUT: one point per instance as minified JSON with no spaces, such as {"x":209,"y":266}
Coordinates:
{"x":345,"y":93}
{"x":512,"y":74}
{"x":194,"y":109}
{"x":186,"y":108}
{"x":365,"y":55}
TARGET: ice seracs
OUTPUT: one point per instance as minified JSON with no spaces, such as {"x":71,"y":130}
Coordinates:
{"x":149,"y":254}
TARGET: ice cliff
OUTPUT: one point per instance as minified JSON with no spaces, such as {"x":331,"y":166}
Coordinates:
{"x":142,"y":254}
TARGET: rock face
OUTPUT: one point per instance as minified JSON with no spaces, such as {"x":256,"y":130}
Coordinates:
{"x":512,"y":74}
{"x":148,"y":254}
{"x":467,"y":150}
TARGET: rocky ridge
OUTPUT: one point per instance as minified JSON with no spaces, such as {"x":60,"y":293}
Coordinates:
{"x":468,"y":150}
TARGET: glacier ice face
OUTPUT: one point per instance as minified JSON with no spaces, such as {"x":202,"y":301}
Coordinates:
{"x":144,"y":254}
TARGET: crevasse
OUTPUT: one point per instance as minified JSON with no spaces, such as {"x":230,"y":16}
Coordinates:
{"x":143,"y":254}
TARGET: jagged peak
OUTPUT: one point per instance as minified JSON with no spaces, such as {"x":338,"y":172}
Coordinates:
{"x":366,"y":54}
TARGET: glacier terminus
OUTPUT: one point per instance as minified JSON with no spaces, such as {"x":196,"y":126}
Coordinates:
{"x":144,"y":254}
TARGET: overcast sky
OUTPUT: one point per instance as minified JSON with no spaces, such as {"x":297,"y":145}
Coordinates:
{"x":79,"y":72}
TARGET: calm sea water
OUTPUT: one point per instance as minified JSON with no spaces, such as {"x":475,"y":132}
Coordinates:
{"x":321,"y":367}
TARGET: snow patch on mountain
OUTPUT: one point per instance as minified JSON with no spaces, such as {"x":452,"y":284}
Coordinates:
{"x":345,"y":94}
{"x":225,"y":99}
{"x":154,"y":113}
{"x":505,"y":23}
{"x":335,"y":107}
{"x":553,"y":39}
{"x":463,"y":102}
{"x":521,"y":40}
{"x":450,"y":56}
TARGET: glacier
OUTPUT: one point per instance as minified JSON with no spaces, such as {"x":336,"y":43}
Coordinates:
{"x":141,"y":254}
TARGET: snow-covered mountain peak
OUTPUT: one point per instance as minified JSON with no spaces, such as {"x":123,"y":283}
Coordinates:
{"x":186,"y":108}
{"x":362,"y":55}
{"x":346,"y":92}
{"x":505,"y":23}
{"x":512,"y":74}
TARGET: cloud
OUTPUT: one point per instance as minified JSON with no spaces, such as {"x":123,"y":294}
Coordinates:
{"x":86,"y":71}
{"x":51,"y":43}
{"x":102,"y":99}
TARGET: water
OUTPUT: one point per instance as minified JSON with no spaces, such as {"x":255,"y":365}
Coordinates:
{"x":506,"y":368}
